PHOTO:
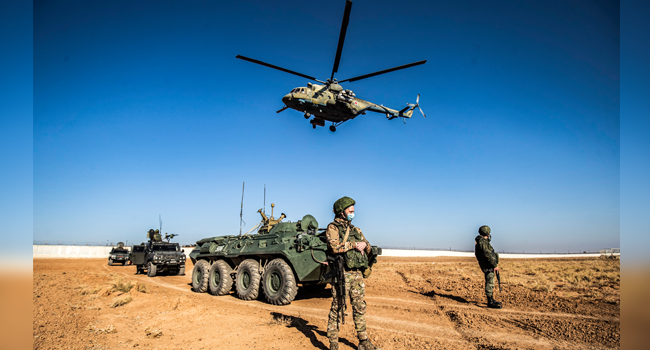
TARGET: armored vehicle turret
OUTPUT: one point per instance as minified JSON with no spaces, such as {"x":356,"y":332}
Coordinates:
{"x":276,"y":259}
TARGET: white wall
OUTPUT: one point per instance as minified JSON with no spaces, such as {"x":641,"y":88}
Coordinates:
{"x":72,"y":251}
{"x":432,"y":253}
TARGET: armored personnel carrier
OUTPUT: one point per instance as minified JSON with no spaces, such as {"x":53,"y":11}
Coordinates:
{"x":157,"y":256}
{"x":118,"y":254}
{"x":276,"y":259}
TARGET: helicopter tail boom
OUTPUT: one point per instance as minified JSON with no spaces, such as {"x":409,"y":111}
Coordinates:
{"x":407,"y":112}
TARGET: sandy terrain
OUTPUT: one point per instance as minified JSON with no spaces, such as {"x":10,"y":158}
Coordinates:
{"x":413,"y":303}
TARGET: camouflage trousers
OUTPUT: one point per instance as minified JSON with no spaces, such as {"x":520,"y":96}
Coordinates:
{"x":356,"y":289}
{"x":489,"y":282}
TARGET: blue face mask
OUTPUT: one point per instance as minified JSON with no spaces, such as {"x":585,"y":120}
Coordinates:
{"x":350,"y":217}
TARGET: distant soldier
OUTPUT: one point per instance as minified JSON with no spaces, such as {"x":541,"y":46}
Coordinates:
{"x":488,"y":260}
{"x":343,"y":239}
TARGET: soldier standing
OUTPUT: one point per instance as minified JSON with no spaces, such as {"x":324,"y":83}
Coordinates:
{"x":345,"y":239}
{"x":488,"y":260}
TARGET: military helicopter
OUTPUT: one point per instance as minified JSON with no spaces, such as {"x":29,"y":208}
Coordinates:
{"x":329,"y":101}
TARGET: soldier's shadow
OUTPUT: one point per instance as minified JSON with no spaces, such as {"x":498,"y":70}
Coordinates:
{"x":310,"y":331}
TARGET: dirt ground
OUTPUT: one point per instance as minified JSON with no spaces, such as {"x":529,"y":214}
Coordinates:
{"x":413,"y":303}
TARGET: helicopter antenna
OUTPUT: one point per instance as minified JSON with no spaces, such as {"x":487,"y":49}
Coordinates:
{"x":264,"y":210}
{"x":241,"y":211}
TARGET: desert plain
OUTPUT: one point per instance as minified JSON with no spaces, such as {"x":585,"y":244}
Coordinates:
{"x":412,"y":303}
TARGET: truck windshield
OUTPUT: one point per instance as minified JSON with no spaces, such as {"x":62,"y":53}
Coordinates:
{"x":166,"y":248}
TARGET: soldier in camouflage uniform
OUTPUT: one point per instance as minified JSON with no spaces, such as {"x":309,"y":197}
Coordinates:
{"x":488,"y":260}
{"x":154,"y":235}
{"x":355,"y":250}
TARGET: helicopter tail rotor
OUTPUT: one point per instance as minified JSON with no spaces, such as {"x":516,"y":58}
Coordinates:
{"x":407,"y":111}
{"x":417,"y":103}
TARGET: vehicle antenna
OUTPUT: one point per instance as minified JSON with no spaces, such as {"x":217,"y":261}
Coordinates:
{"x":264,"y":210}
{"x":241,"y":211}
{"x":160,"y":220}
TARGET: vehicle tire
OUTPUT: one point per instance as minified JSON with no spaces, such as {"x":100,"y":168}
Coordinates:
{"x":123,"y":263}
{"x":110,"y":261}
{"x":181,"y":271}
{"x":151,"y":269}
{"x":220,"y":282}
{"x":279,"y":283}
{"x":247,"y":280}
{"x":200,"y":276}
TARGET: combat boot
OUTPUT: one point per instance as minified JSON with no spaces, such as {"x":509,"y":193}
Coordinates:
{"x":493,"y":304}
{"x":334,"y":345}
{"x":367,"y":345}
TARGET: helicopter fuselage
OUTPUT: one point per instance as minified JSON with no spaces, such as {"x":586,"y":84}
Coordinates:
{"x":334,"y":105}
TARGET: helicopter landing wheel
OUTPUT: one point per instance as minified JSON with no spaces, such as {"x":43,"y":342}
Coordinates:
{"x":332,"y":128}
{"x":307,"y":115}
{"x":313,"y":126}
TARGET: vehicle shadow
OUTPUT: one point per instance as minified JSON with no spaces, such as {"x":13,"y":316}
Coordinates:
{"x":310,"y":331}
{"x":312,"y":292}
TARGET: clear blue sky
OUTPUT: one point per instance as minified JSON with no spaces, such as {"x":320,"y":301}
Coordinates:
{"x":142,"y":109}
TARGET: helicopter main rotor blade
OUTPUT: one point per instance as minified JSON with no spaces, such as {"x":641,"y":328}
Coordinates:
{"x":384,"y":71}
{"x":278,"y":68}
{"x":344,"y":29}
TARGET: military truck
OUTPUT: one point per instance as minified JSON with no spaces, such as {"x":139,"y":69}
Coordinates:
{"x":158,"y":257}
{"x":118,"y":254}
{"x":276,"y":259}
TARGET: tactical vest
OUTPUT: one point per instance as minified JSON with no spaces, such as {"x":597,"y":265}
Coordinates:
{"x":354,"y":259}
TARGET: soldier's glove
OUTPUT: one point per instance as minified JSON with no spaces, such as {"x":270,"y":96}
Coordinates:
{"x":367,"y":272}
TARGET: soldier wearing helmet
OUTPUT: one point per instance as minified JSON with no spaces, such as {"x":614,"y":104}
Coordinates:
{"x":344,"y":238}
{"x":488,"y":260}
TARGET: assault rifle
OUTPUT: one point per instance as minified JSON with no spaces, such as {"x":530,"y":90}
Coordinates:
{"x":337,"y":274}
{"x":499,"y":280}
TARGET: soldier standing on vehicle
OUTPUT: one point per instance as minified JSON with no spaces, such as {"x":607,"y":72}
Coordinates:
{"x":346,"y":240}
{"x":488,"y":260}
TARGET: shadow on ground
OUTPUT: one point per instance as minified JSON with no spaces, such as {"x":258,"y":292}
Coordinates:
{"x":308,"y":330}
{"x":456,"y":298}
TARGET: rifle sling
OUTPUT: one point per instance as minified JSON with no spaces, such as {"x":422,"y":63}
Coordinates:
{"x":347,"y":234}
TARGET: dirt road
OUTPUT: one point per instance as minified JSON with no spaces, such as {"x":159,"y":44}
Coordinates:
{"x":413,"y":303}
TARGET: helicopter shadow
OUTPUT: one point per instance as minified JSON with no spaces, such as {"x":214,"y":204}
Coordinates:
{"x":456,"y":298}
{"x":310,"y":331}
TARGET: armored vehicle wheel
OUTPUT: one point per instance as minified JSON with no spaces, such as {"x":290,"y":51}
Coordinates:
{"x":151,"y":269}
{"x":110,"y":262}
{"x":278,"y":283}
{"x":123,"y":263}
{"x":220,"y":282}
{"x":248,"y":280}
{"x":200,"y":276}
{"x":181,"y":271}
